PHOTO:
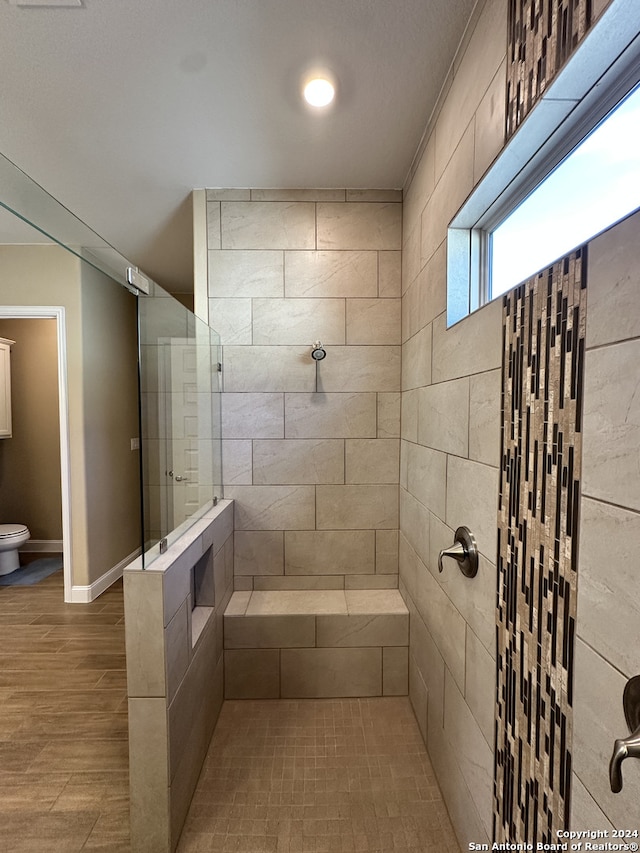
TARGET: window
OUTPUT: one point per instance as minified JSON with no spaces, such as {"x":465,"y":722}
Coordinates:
{"x":586,"y":122}
{"x":595,"y":186}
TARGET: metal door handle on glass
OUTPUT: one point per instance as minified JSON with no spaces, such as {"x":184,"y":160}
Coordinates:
{"x":627,"y":747}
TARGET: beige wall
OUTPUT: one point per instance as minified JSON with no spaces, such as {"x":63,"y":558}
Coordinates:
{"x":49,"y":275}
{"x":110,"y":399}
{"x":30,"y":491}
{"x":450,"y":458}
{"x":313,"y":469}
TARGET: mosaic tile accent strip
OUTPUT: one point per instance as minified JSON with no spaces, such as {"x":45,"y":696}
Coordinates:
{"x":541,"y":36}
{"x":543,"y":362}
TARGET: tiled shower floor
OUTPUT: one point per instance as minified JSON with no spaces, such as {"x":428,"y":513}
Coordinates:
{"x":317,"y":776}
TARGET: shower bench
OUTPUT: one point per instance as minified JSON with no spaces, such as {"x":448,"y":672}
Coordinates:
{"x":316,"y":644}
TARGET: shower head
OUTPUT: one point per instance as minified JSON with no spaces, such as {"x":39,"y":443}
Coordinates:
{"x":318,"y":352}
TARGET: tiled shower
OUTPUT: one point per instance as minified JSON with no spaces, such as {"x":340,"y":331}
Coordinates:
{"x":353,"y":474}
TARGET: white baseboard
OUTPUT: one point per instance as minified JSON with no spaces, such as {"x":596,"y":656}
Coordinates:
{"x":42,"y":546}
{"x":86,"y":594}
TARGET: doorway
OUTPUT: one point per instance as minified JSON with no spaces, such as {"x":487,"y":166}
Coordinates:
{"x":56,"y":313}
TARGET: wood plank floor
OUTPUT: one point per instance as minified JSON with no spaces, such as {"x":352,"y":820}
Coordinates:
{"x":64,"y":780}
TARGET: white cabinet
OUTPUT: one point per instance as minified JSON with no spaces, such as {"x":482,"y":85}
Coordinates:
{"x":5,"y":387}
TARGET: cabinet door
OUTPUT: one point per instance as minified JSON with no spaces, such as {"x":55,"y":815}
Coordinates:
{"x":5,"y":391}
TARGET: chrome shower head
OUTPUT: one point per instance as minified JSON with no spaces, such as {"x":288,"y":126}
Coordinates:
{"x":318,"y":352}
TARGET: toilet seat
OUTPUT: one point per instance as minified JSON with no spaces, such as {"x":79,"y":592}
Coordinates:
{"x":7,"y":531}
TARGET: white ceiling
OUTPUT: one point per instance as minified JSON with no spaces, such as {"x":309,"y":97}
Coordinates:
{"x":120,"y":107}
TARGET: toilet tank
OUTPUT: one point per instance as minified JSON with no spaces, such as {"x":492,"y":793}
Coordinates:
{"x":5,"y":387}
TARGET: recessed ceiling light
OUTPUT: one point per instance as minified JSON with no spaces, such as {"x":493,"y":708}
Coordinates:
{"x":319,"y":92}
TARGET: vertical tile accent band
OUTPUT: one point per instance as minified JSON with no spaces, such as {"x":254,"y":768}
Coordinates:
{"x":542,"y":34}
{"x":544,"y":323}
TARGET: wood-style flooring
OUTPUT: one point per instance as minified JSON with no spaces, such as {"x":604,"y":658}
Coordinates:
{"x":64,"y":782}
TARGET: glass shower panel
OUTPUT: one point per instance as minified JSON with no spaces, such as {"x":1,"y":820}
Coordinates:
{"x":180,"y":419}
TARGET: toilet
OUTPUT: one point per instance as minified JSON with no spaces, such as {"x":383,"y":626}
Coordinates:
{"x":12,"y":537}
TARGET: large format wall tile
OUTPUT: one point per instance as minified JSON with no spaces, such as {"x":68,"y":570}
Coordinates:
{"x":608,"y":609}
{"x":258,"y":632}
{"x":360,"y":368}
{"x":213,"y":224}
{"x":445,"y":624}
{"x":453,"y":186}
{"x":389,"y":629}
{"x":274,"y":507}
{"x":268,"y":225}
{"x":356,"y":507}
{"x":484,"y":417}
{"x":326,"y":552}
{"x":614,"y":280}
{"x":299,"y":321}
{"x":612,"y":425}
{"x":489,"y":125}
{"x":340,"y":415}
{"x":373,"y":321}
{"x":473,"y":75}
{"x":389,"y":414}
{"x":584,"y":810}
{"x":598,"y":721}
{"x":416,"y":360}
{"x":427,"y":476}
{"x":474,"y":755}
{"x":237,"y":462}
{"x":325,"y":673}
{"x":360,"y":226}
{"x":251,"y":673}
{"x":245,"y":274}
{"x":395,"y":671}
{"x":414,"y":522}
{"x":473,"y":346}
{"x":372,"y":460}
{"x":258,"y":552}
{"x":298,"y":194}
{"x":431,"y":666}
{"x":479,"y":688}
{"x":472,"y":500}
{"x":252,"y":415}
{"x":461,"y":805}
{"x":331,"y":274}
{"x":287,"y":268}
{"x":272,"y":368}
{"x":231,"y":318}
{"x":298,"y":461}
{"x":443,"y":416}
{"x":389,"y":274}
{"x":386,"y":552}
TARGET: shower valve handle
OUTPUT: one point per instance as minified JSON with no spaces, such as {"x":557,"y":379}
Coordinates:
{"x":464,"y":550}
{"x":623,"y":748}
{"x":627,"y":747}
